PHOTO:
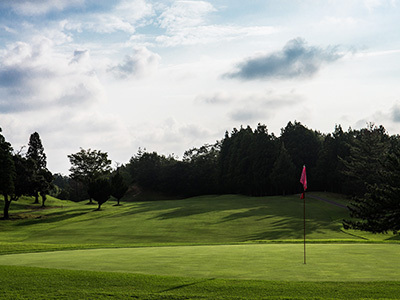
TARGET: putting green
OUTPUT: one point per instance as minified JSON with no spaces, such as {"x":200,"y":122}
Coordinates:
{"x":325,"y":262}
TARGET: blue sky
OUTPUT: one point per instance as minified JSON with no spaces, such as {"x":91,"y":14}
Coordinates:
{"x":171,"y":75}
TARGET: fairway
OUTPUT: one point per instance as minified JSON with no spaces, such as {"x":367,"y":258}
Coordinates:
{"x":283,"y":262}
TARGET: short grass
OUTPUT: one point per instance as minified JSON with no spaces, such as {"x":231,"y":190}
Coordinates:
{"x":223,"y":219}
{"x":325,"y":262}
{"x":212,"y":247}
{"x":39,"y":283}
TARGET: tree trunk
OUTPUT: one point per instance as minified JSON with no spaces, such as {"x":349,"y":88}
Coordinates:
{"x":7,"y":203}
{"x":99,"y":208}
{"x":118,"y":201}
{"x":36,"y":198}
{"x":44,"y":198}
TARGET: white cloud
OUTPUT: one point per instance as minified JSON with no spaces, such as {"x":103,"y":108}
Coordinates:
{"x":170,"y":136}
{"x":185,"y":14}
{"x":186,"y":23}
{"x":141,"y":63}
{"x":125,"y":16}
{"x":371,"y":5}
{"x":35,"y":76}
{"x":211,"y":34}
{"x":34,"y":8}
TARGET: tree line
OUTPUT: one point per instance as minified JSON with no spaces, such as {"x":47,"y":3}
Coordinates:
{"x":363,"y":164}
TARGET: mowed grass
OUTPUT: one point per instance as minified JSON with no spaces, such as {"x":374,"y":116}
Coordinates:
{"x":39,"y":283}
{"x":325,"y":262}
{"x":211,"y":247}
{"x":223,"y":219}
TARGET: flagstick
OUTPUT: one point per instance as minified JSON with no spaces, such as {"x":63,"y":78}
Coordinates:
{"x":304,"y":205}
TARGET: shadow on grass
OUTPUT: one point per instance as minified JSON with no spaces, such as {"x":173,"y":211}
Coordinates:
{"x":52,"y":218}
{"x":287,"y":212}
{"x":186,"y":285}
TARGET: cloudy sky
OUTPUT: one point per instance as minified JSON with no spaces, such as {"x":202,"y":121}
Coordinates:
{"x":171,"y":75}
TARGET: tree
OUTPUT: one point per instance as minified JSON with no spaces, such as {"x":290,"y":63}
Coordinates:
{"x":283,"y":174}
{"x":45,"y":184}
{"x":368,"y":149}
{"x":118,"y":186}
{"x":378,"y":209}
{"x":36,"y":154}
{"x":303,"y":146}
{"x":89,"y":165}
{"x":24,"y":174}
{"x":7,"y":174}
{"x":100,"y":189}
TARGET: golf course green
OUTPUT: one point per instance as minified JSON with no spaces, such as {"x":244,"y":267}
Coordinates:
{"x":215,"y":247}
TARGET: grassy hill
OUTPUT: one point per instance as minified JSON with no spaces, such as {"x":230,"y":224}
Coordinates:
{"x":201,"y":220}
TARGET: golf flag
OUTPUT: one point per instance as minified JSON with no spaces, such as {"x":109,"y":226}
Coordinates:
{"x":303,"y":181}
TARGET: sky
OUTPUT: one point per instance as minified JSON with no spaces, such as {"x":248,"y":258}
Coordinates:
{"x":167,"y":76}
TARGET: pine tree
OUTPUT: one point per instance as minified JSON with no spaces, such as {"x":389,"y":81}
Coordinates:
{"x":37,"y":155}
{"x":375,"y":166}
{"x":283,"y":174}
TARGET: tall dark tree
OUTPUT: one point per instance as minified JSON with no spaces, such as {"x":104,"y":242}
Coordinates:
{"x":45,"y":184}
{"x":374,"y":166}
{"x":36,"y":154}
{"x":118,"y":186}
{"x":303,"y":146}
{"x":368,"y":149}
{"x":283,"y":174}
{"x":335,"y":147}
{"x":7,"y":174}
{"x":100,"y":189}
{"x":24,"y":175}
{"x":89,"y":165}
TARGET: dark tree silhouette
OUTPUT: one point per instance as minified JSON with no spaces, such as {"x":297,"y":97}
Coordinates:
{"x":7,"y":174}
{"x":100,"y":189}
{"x":36,"y":154}
{"x":89,"y":165}
{"x":118,"y":186}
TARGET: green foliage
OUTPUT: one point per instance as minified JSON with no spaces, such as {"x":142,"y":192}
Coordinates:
{"x":378,"y":210}
{"x":118,"y":186}
{"x":100,"y":190}
{"x":283,"y":174}
{"x":7,"y":174}
{"x":88,"y":165}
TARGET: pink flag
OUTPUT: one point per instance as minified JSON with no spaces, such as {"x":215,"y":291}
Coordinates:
{"x":303,"y":178}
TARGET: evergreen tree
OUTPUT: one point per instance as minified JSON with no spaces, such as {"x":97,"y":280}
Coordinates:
{"x":378,"y":210}
{"x":283,"y":174}
{"x":303,"y":146}
{"x":7,"y":174}
{"x":36,"y":154}
{"x":368,"y":148}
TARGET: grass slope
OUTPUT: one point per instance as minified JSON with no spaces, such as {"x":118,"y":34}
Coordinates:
{"x":201,"y":220}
